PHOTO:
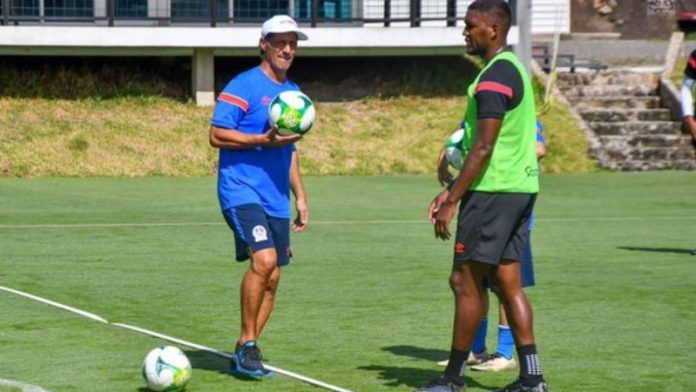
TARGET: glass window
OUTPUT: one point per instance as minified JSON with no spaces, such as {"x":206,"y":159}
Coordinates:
{"x":69,"y":8}
{"x":131,"y":8}
{"x":328,"y":10}
{"x":24,"y":7}
{"x":259,"y":10}
{"x":197,"y":10}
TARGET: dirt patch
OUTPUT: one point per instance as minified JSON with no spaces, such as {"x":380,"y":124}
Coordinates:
{"x":630,"y":18}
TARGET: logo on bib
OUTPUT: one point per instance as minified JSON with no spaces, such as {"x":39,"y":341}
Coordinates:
{"x":259,"y":233}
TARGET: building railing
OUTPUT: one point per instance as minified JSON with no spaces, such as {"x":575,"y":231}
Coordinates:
{"x":212,"y":13}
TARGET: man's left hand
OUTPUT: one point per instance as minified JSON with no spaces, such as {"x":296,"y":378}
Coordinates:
{"x":302,"y":220}
{"x":441,"y":213}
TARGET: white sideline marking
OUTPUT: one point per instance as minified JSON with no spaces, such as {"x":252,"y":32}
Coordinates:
{"x":56,"y":304}
{"x":161,"y":336}
{"x":229,"y":356}
{"x":88,"y":225}
{"x":21,"y":386}
{"x":340,"y":222}
{"x":80,"y":225}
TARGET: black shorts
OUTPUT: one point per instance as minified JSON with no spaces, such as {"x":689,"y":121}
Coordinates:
{"x":254,"y":230}
{"x":492,"y":226}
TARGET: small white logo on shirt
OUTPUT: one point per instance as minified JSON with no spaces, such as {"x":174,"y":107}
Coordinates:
{"x":259,"y":233}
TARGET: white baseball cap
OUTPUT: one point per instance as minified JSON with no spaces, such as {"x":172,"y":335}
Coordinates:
{"x":281,"y":24}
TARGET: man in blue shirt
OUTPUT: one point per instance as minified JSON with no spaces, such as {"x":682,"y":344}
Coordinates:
{"x":257,"y":170}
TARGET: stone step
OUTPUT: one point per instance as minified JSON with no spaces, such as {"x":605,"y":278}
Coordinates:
{"x":619,"y":102}
{"x":688,"y":164}
{"x":652,"y":154}
{"x":610,"y":90}
{"x":614,"y":115}
{"x":610,"y":77}
{"x":620,"y":142}
{"x":636,"y":128}
{"x":645,"y":165}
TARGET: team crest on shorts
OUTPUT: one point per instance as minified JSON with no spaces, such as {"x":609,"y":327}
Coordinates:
{"x":259,"y":233}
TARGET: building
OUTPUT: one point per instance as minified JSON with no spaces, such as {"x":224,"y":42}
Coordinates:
{"x":204,"y":29}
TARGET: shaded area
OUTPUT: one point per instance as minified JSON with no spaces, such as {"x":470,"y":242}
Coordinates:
{"x":209,"y":361}
{"x":53,"y":77}
{"x":335,"y":79}
{"x":396,"y":376}
{"x":322,"y":78}
{"x":428,"y":354}
{"x":658,"y":250}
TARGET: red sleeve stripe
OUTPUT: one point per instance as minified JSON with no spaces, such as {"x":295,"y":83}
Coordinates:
{"x":234,"y":100}
{"x":494,"y":87}
{"x":692,"y":62}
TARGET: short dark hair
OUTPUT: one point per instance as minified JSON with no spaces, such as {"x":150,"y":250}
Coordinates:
{"x":498,"y":9}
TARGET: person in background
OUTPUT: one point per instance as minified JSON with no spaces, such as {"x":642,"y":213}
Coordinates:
{"x":687,"y":98}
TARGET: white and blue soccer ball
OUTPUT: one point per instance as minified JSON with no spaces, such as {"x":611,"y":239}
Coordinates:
{"x":291,"y":112}
{"x":166,"y":368}
{"x":455,"y":152}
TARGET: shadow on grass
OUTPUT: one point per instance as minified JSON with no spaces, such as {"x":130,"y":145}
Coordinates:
{"x":412,"y":377}
{"x":415,"y":377}
{"x":657,"y":250}
{"x":428,"y":354}
{"x":209,"y":361}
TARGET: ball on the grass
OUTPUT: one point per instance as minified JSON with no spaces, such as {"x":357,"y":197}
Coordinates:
{"x":166,"y":369}
{"x":291,"y":112}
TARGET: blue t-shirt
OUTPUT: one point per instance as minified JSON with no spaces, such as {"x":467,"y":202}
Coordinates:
{"x":259,"y":175}
{"x":539,"y":139}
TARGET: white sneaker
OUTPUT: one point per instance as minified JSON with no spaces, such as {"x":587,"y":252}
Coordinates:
{"x":443,"y":363}
{"x":495,"y":363}
{"x":474,"y":359}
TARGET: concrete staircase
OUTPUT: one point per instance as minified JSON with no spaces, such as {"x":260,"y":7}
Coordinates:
{"x":633,"y":131}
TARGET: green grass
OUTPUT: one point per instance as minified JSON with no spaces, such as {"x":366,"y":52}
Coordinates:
{"x":134,"y":137}
{"x":104,"y":121}
{"x":678,"y":72}
{"x":364,"y":305}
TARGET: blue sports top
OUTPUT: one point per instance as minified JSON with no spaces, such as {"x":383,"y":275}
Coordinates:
{"x":539,"y":139}
{"x":259,"y":175}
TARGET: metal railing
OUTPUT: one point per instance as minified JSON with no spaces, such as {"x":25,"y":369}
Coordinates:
{"x":412,"y":13}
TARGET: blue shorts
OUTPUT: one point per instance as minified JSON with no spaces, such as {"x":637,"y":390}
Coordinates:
{"x":526,"y":264}
{"x":254,"y":230}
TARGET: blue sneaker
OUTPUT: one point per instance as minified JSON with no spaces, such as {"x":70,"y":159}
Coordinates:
{"x":247,"y":361}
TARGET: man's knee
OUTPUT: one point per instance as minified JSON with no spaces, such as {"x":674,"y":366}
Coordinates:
{"x":264,"y":262}
{"x":456,"y":281}
{"x":463,"y":283}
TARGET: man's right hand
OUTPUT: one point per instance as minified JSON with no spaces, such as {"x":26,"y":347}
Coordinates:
{"x":273,"y":139}
{"x":444,"y":177}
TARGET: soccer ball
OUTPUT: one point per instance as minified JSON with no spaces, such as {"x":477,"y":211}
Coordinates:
{"x":292,"y":112}
{"x":455,"y":153}
{"x":166,"y":369}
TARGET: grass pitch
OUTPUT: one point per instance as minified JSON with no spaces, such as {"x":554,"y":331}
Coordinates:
{"x":365,"y":303}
